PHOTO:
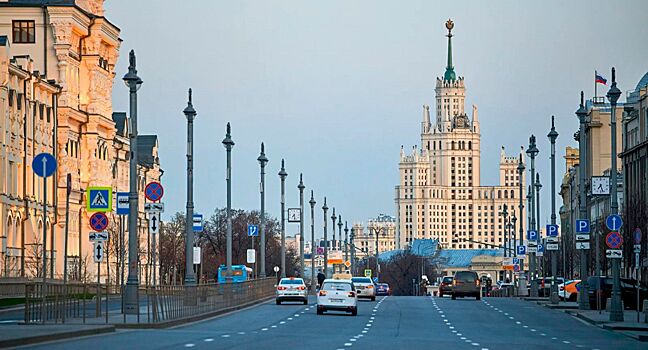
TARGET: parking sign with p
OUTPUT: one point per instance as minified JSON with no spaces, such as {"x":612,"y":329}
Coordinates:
{"x":552,"y":230}
{"x":582,"y":226}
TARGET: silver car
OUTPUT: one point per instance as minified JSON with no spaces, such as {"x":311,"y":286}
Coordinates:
{"x":291,"y":289}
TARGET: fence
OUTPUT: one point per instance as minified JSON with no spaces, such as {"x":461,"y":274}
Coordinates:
{"x":12,"y":287}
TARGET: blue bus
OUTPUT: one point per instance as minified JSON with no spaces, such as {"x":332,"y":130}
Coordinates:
{"x":240,"y":273}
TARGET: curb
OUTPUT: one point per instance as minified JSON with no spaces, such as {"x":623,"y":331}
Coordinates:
{"x":56,"y":336}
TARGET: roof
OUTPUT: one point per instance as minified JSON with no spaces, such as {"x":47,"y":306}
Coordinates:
{"x":463,"y":257}
{"x":145,"y":155}
{"x":643,"y":82}
{"x":38,"y":3}
{"x":120,"y":120}
{"x":420,"y":247}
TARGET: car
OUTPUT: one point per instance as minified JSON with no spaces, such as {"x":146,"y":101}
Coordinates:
{"x":445,"y":288}
{"x":339,"y":295}
{"x":466,"y":284}
{"x":383,"y":289}
{"x":569,"y":290}
{"x":365,"y":287}
{"x":544,"y":285}
{"x":291,"y":289}
{"x":603,"y":286}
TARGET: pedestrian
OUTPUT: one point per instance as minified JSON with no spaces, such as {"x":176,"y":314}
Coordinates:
{"x":320,"y":279}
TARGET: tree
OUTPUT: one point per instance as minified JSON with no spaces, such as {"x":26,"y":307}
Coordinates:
{"x":403,"y":268}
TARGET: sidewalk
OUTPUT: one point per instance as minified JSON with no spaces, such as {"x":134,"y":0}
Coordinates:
{"x":15,"y":335}
{"x":630,"y":327}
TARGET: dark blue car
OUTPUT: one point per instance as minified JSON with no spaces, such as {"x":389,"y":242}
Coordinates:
{"x":383,"y":289}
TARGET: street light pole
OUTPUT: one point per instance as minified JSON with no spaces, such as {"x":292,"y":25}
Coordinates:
{"x":131,"y":301}
{"x":522,"y":283}
{"x":377,"y":232}
{"x":351,"y":238}
{"x":263,"y":160}
{"x":504,"y":214}
{"x":346,"y":242}
{"x":339,"y":234}
{"x":616,"y":309}
{"x":301,"y":224}
{"x":532,"y":151}
{"x":325,"y":209}
{"x":282,"y":174}
{"x":229,"y":144}
{"x":538,"y":186}
{"x":190,"y":276}
{"x":583,"y":296}
{"x":333,"y":246}
{"x":553,"y":135}
{"x":313,"y":248}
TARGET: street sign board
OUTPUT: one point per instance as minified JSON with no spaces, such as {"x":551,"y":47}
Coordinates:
{"x":98,"y":251}
{"x":251,"y":256}
{"x":614,"y":253}
{"x":582,"y":238}
{"x":98,"y":221}
{"x":614,"y":222}
{"x":157,"y":207}
{"x":347,"y":263}
{"x":614,"y":240}
{"x":253,"y":230}
{"x":516,"y":268}
{"x":552,"y":230}
{"x":582,"y":245}
{"x":99,"y":199}
{"x":123,"y":203}
{"x":154,"y":222}
{"x":154,"y":191}
{"x":532,"y":235}
{"x":197,"y":223}
{"x":637,"y":235}
{"x":44,"y":165}
{"x":541,"y":249}
{"x":637,"y":249}
{"x":582,"y":226}
{"x":521,"y":251}
{"x":320,"y":251}
{"x":552,"y":246}
{"x":532,"y":244}
{"x":196,"y":255}
{"x":367,"y":272}
{"x":516,"y":261}
{"x":98,"y":236}
{"x":531,"y":249}
{"x":552,"y":239}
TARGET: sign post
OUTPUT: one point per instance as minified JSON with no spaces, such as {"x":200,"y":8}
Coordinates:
{"x":123,"y":209}
{"x":637,"y":250}
{"x":252,"y":231}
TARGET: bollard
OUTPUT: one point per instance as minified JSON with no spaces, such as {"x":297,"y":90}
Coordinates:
{"x":608,"y":304}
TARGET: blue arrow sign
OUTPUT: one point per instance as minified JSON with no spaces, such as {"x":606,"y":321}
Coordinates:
{"x":532,"y":235}
{"x":582,"y":226}
{"x":197,"y":223}
{"x":552,"y":230}
{"x":44,"y":165}
{"x":614,"y":222}
{"x":253,"y":230}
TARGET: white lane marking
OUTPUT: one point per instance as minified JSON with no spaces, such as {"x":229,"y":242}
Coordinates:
{"x":542,"y":334}
{"x":209,"y":340}
{"x":511,"y":318}
{"x":454,"y":331}
{"x":368,"y":325}
{"x":364,"y":331}
{"x":532,"y":330}
{"x":554,"y":338}
{"x":241,"y":333}
{"x":296,"y":315}
{"x":459,"y":334}
{"x":525,"y":326}
{"x":189,"y":345}
{"x":282,"y":322}
{"x":359,"y":335}
{"x":463,"y":338}
{"x":518,"y":322}
{"x":451,"y":327}
{"x":225,"y":336}
{"x":348,"y":344}
{"x":353,"y":339}
{"x":264,"y":329}
{"x":566,"y":341}
{"x":273,"y":326}
{"x":475,"y":344}
{"x":372,"y":318}
{"x":290,"y":318}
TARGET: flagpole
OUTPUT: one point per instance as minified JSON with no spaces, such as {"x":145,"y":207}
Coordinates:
{"x":595,"y":73}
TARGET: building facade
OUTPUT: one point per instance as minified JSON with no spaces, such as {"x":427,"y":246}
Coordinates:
{"x":384,"y":226}
{"x":440,"y":195}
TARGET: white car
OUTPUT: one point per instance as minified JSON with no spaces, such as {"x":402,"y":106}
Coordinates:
{"x":337,"y":294}
{"x":291,"y":289}
{"x":365,"y":287}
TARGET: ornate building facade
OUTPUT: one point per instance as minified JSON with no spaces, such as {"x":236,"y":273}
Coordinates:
{"x":365,"y":237}
{"x":440,"y":195}
{"x":72,"y":47}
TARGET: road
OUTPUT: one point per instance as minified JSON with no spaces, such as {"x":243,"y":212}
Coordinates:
{"x":388,"y":323}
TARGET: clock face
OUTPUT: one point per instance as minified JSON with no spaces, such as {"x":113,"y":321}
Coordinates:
{"x":294,"y":214}
{"x":600,"y":185}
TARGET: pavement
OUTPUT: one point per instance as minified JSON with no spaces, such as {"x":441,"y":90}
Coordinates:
{"x":392,"y":322}
{"x":17,"y":335}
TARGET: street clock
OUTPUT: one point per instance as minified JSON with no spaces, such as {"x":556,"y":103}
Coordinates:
{"x":600,"y":185}
{"x":294,"y":215}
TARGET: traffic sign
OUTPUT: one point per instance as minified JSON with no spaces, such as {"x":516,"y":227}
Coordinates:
{"x":531,"y":249}
{"x":613,"y":222}
{"x":154,"y":191}
{"x":583,"y":245}
{"x":637,"y":249}
{"x":197,"y":223}
{"x":552,"y":239}
{"x":541,"y":249}
{"x":253,"y":230}
{"x":367,"y":272}
{"x":582,"y":238}
{"x":532,"y":235}
{"x":320,"y":250}
{"x":375,"y":279}
{"x":516,"y":261}
{"x":154,"y":222}
{"x":552,"y":246}
{"x":532,"y":244}
{"x":516,"y":268}
{"x":123,"y":203}
{"x":98,"y":221}
{"x":347,"y":263}
{"x":614,"y":253}
{"x":637,"y":235}
{"x":521,"y":251}
{"x":196,"y":255}
{"x":98,"y":251}
{"x":552,"y":230}
{"x":582,"y":226}
{"x":158,"y":207}
{"x":99,"y":199}
{"x":251,"y":256}
{"x":98,"y":236}
{"x":44,"y":165}
{"x":614,"y":240}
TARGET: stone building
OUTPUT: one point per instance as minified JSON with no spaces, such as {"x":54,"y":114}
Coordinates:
{"x":440,"y":195}
{"x":365,"y":238}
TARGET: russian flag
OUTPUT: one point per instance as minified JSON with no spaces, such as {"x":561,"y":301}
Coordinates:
{"x":599,"y":79}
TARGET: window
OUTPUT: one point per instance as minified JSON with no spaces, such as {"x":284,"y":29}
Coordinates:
{"x":24,"y":32}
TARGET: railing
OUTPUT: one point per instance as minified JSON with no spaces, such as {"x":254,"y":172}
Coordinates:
{"x":58,"y":302}
{"x":12,"y":287}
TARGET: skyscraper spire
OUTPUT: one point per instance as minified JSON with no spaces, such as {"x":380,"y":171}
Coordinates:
{"x":449,"y":73}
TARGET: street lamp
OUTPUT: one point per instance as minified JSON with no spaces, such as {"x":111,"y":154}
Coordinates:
{"x":131,"y":302}
{"x":583,"y":296}
{"x":553,"y":135}
{"x":333,"y":218}
{"x":339,"y":233}
{"x":301,"y":223}
{"x":538,"y":186}
{"x":346,"y":242}
{"x":353,"y":262}
{"x":263,"y":160}
{"x":520,"y":169}
{"x":532,"y":151}
{"x":190,"y":276}
{"x":504,"y":213}
{"x":616,"y":309}
{"x":325,"y":209}
{"x":229,"y":144}
{"x":313,"y":248}
{"x":282,"y":174}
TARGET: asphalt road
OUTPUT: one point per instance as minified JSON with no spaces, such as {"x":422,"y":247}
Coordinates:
{"x":387,"y":323}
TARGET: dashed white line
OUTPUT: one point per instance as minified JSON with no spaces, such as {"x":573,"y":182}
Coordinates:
{"x":225,"y":336}
{"x":190,"y":345}
{"x":208,"y":340}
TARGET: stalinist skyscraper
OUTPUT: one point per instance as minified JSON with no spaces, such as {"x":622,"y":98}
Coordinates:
{"x":440,"y":195}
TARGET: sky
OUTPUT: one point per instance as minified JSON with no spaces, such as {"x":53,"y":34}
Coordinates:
{"x":336,"y":87}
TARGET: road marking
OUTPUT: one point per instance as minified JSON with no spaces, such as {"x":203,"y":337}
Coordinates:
{"x":364,"y":331}
{"x":282,"y":322}
{"x":554,"y":338}
{"x":296,"y":315}
{"x":565,"y":341}
{"x":533,"y":330}
{"x":459,"y":334}
{"x":273,"y":326}
{"x":453,"y":331}
{"x":225,"y":336}
{"x":518,"y":322}
{"x":190,"y":345}
{"x":241,"y":333}
{"x":209,"y":340}
{"x":290,"y":318}
{"x":463,"y":338}
{"x":542,"y":334}
{"x":353,"y":339}
{"x":475,"y":344}
{"x":372,"y":318}
{"x":451,"y":327}
{"x":525,"y":326}
{"x":348,"y":344}
{"x":264,"y":329}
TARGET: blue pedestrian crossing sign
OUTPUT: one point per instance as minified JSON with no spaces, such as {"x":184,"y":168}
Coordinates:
{"x":613,"y":222}
{"x":582,"y":226}
{"x":552,"y":230}
{"x":253,"y":230}
{"x":99,"y":199}
{"x":532,"y":235}
{"x":521,"y":251}
{"x":197,"y":223}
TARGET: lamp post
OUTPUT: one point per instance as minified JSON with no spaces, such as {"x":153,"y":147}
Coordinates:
{"x":301,"y":224}
{"x":263,"y":160}
{"x":131,"y":302}
{"x":325,"y":209}
{"x":229,"y":144}
{"x":377,"y":233}
{"x":504,"y":214}
{"x":583,"y":296}
{"x":313,"y":248}
{"x":339,"y":234}
{"x":522,"y":283}
{"x":553,"y":135}
{"x":333,"y":218}
{"x":616,"y":308}
{"x":538,"y":186}
{"x":190,"y":276}
{"x":346,"y":242}
{"x":532,"y":151}
{"x":282,"y":174}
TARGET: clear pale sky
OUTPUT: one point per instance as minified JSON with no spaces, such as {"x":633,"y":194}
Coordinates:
{"x":336,"y":87}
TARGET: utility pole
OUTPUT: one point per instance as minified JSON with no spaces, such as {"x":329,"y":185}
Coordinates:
{"x":538,"y":186}
{"x":522,"y":282}
{"x":301,"y":224}
{"x":313,"y":248}
{"x":282,"y":175}
{"x":346,"y":242}
{"x":190,"y":276}
{"x":532,"y":151}
{"x":353,"y":262}
{"x":583,"y":293}
{"x":325,"y":209}
{"x":263,"y":160}
{"x":339,"y":235}
{"x":333,"y":246}
{"x":553,"y":135}
{"x":229,"y":144}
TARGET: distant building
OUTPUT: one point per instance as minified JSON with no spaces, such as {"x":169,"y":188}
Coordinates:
{"x":365,"y":237}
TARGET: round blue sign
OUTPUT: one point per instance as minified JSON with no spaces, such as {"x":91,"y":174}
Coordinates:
{"x":614,"y":222}
{"x":44,"y":165}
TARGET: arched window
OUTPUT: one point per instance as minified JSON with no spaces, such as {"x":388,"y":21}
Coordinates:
{"x":469,"y":144}
{"x":452,"y":145}
{"x":499,"y":193}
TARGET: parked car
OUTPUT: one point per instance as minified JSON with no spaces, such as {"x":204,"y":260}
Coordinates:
{"x":291,"y":289}
{"x":445,"y":288}
{"x":339,"y":295}
{"x":603,"y":286}
{"x":383,"y":289}
{"x":544,"y":290}
{"x":569,"y":290}
{"x":365,"y":287}
{"x":466,"y":284}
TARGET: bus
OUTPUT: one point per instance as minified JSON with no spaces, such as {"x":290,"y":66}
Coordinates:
{"x":240,"y":273}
